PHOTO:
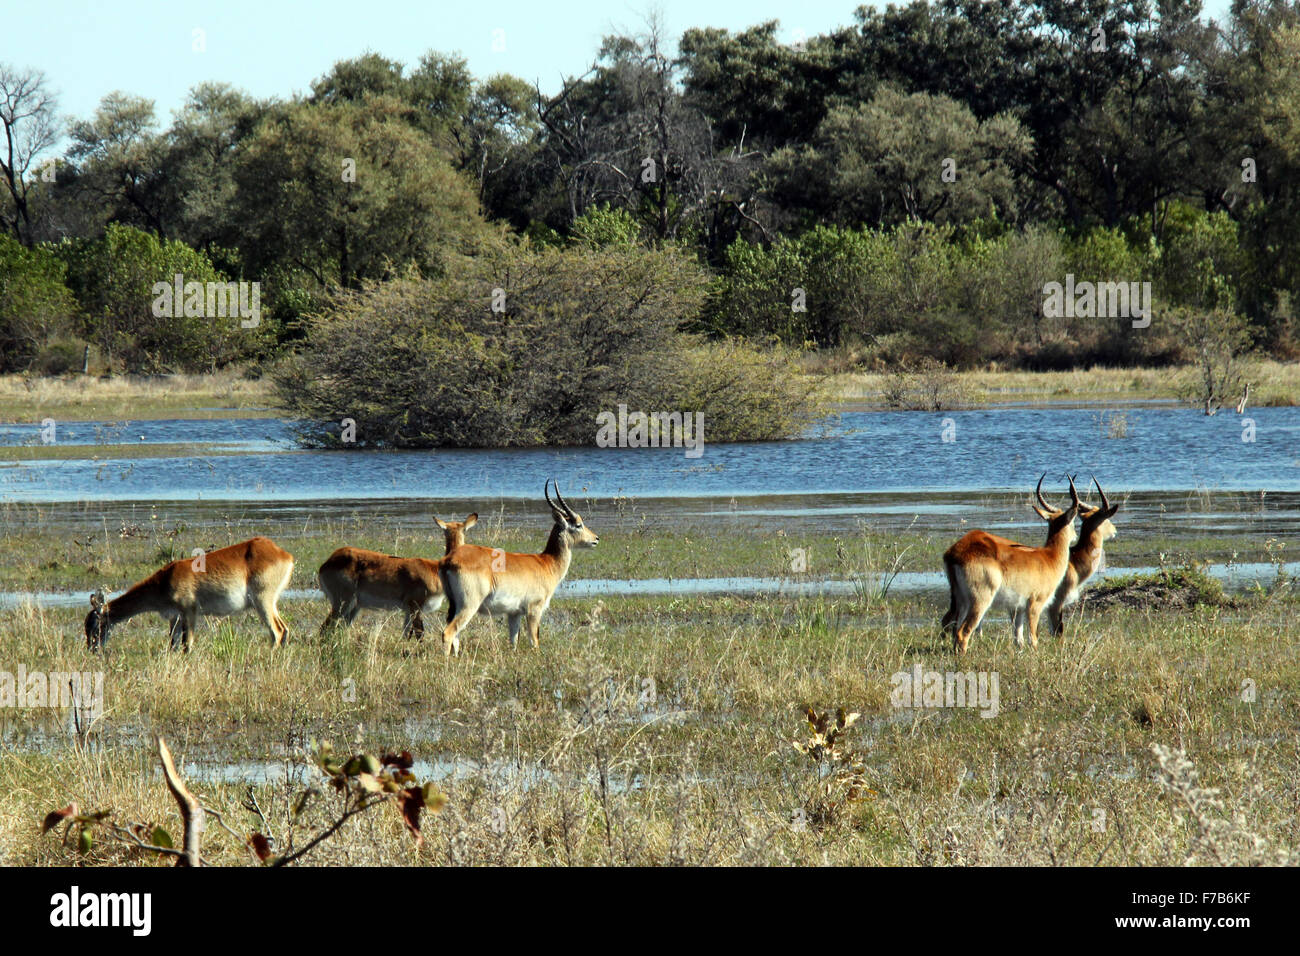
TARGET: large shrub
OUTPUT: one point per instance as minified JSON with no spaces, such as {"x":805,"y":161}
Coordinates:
{"x":35,"y":304}
{"x":113,"y":279}
{"x":418,"y":362}
{"x":912,"y":291}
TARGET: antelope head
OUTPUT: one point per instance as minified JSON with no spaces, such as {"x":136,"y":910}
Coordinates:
{"x":1055,"y":517}
{"x":454,"y":531}
{"x":1096,"y":520}
{"x":97,"y":623}
{"x":567,"y":521}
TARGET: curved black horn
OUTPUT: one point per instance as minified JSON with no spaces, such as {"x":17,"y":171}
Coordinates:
{"x":1105,"y":505}
{"x":563,"y":504}
{"x":1039,"y":492}
{"x":1074,"y":492}
{"x":546,"y":490}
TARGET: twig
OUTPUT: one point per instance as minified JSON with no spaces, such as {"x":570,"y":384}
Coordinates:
{"x":191,"y":809}
{"x":328,"y":832}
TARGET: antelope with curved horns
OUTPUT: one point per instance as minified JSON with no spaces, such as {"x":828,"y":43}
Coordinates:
{"x":251,"y":574}
{"x":1086,"y":557}
{"x":1015,"y":611}
{"x":982,"y":566}
{"x":353,"y":578}
{"x":489,"y":581}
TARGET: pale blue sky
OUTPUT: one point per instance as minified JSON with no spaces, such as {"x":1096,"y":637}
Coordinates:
{"x":88,"y":48}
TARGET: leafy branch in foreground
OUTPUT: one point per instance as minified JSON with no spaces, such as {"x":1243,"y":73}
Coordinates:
{"x":841,"y":779}
{"x":363,"y":781}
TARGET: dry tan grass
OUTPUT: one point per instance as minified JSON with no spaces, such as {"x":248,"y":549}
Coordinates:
{"x":224,"y":394}
{"x":1276,"y":383}
{"x":563,"y":758}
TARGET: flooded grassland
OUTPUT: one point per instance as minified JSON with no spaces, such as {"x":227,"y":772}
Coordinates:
{"x":657,"y":722}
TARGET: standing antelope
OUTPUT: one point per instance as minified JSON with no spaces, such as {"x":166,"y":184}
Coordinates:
{"x":1086,"y":557}
{"x":983,"y":566}
{"x":353,"y":578}
{"x":489,"y":581}
{"x":218,"y":583}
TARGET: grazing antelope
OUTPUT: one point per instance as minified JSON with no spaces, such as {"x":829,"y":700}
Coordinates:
{"x":353,"y":578}
{"x":982,"y":566}
{"x":490,"y":581}
{"x":1086,"y":556}
{"x":219,"y":583}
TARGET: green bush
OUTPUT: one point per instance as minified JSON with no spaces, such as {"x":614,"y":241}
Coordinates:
{"x":35,"y":304}
{"x":113,"y":279}
{"x":913,"y":291}
{"x":418,"y":362}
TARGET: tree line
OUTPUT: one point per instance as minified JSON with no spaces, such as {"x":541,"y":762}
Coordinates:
{"x":902,"y":187}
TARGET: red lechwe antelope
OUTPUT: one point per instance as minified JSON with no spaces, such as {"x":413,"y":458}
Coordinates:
{"x":218,"y":583}
{"x":982,"y":566}
{"x":489,"y":581}
{"x":353,"y":578}
{"x":1086,"y":557}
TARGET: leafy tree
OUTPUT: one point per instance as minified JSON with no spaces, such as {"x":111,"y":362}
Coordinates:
{"x":35,"y":304}
{"x":903,"y":157}
{"x":1198,"y":260}
{"x":347,"y":192}
{"x":603,"y":226}
{"x":1217,"y":341}
{"x":118,"y":156}
{"x":113,"y":279}
{"x":198,"y":189}
{"x":763,"y":93}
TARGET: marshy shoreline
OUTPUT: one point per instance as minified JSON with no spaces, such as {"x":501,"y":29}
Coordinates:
{"x":658,"y":721}
{"x":231,"y":393}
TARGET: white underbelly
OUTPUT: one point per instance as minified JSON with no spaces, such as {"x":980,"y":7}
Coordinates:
{"x":1009,"y":600}
{"x":223,"y":603}
{"x":506,"y":605}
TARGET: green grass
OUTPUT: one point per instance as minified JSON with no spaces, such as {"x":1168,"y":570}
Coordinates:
{"x":111,"y":452}
{"x":47,"y":553}
{"x":687,"y":710}
{"x":1190,"y":582}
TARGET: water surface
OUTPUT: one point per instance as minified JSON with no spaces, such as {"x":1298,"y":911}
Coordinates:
{"x":1161,"y":448}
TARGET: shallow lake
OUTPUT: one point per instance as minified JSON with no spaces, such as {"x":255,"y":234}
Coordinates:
{"x":1155,"y":448}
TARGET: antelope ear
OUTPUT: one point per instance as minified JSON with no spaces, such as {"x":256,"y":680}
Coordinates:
{"x":471,"y":521}
{"x":440,"y":523}
{"x":1042,"y":513}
